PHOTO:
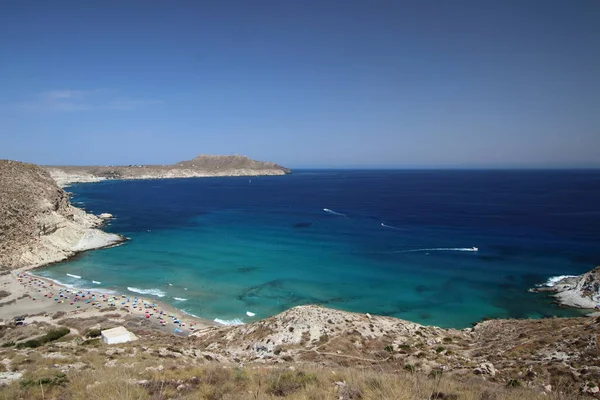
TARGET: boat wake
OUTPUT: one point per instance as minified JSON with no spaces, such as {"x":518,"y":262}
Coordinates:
{"x":327,"y":210}
{"x":392,"y":227}
{"x":179,"y":299}
{"x":235,"y":321}
{"x":439,"y":249}
{"x":96,"y":282}
{"x":74,"y":276}
{"x":153,"y":292}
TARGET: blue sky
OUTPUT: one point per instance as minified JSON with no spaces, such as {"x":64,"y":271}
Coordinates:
{"x":302,"y":83}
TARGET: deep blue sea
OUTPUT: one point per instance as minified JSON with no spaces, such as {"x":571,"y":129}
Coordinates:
{"x":393,"y":243}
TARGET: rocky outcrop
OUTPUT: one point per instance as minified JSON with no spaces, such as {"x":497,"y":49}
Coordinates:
{"x":543,"y":353}
{"x":314,"y":333}
{"x":38,"y":225}
{"x":201,"y":166}
{"x":581,"y":291}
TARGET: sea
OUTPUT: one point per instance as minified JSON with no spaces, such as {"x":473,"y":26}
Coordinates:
{"x":445,"y":248}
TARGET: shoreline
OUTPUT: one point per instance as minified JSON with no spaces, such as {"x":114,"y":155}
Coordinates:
{"x":33,"y":295}
{"x":67,"y":181}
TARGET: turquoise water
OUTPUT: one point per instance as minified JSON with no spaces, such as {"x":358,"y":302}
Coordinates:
{"x":232,"y":245}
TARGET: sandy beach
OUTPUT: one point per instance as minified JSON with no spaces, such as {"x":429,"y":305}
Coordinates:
{"x":39,"y":299}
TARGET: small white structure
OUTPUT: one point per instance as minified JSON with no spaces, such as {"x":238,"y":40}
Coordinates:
{"x":117,"y":335}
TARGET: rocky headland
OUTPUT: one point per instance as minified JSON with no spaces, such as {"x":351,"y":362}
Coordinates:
{"x":581,"y":291}
{"x":38,"y":224}
{"x":201,"y":166}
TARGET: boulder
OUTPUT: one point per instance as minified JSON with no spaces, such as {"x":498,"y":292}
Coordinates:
{"x":485,"y":369}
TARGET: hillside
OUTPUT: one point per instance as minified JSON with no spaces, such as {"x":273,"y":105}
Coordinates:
{"x":38,"y":225}
{"x":201,"y":166}
{"x":307,"y":352}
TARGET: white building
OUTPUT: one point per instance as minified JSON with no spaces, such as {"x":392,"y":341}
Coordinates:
{"x":117,"y":335}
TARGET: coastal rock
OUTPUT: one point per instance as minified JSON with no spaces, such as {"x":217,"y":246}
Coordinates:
{"x":38,"y":225}
{"x":201,"y":166}
{"x":105,"y":215}
{"x":581,"y":291}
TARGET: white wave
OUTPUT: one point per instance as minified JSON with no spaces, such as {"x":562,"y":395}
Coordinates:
{"x":179,"y":299}
{"x":250,"y":314}
{"x":68,"y":286}
{"x":327,"y":210}
{"x":153,"y":292}
{"x":74,"y":276}
{"x":190,"y":314}
{"x":96,"y":282}
{"x":555,"y":279}
{"x":235,"y":321}
{"x":440,"y":249}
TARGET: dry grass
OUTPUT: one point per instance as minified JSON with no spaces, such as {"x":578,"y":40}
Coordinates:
{"x":169,"y":379}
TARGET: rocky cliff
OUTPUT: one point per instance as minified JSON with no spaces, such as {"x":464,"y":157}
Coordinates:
{"x":581,"y":291}
{"x":38,"y":225}
{"x":201,"y":166}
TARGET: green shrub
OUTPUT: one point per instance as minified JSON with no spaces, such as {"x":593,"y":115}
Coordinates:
{"x":410,"y":368}
{"x":48,"y":337}
{"x":285,"y":383}
{"x":8,"y":344}
{"x":57,"y":380}
{"x":32,"y":344}
{"x":93,"y":333}
{"x":439,"y":349}
{"x":55,"y":334}
{"x":513,"y":383}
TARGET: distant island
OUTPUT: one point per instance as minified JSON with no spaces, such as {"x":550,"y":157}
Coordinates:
{"x":201,"y":166}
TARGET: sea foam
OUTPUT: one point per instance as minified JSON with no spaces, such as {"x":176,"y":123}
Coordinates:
{"x":179,"y":299}
{"x":153,"y":292}
{"x":555,"y":279}
{"x":73,"y":287}
{"x":74,"y":276}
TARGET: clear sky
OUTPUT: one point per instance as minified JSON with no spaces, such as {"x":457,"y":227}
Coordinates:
{"x":302,"y":83}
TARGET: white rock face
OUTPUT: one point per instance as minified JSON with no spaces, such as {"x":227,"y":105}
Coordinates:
{"x":68,"y":237}
{"x":105,"y":215}
{"x":64,"y":179}
{"x":580,"y":291}
{"x":95,"y":239}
